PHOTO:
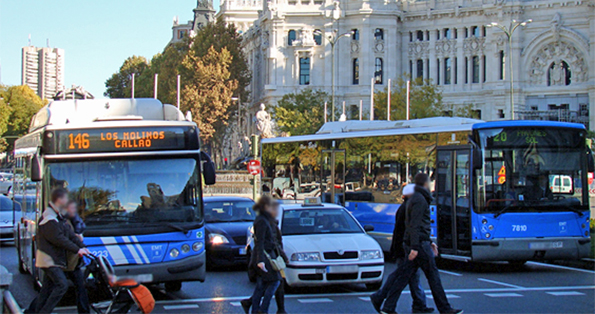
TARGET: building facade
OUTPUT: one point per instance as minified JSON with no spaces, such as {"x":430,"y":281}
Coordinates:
{"x":289,"y":48}
{"x":43,"y":70}
{"x":203,"y":14}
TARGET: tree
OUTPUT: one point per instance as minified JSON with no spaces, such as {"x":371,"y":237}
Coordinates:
{"x":18,"y":104}
{"x":425,"y":100}
{"x":119,"y":85}
{"x":301,"y":113}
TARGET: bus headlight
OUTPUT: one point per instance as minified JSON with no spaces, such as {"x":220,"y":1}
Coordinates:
{"x":305,"y":257}
{"x":484,"y":221}
{"x":197,"y":246}
{"x":217,"y":238}
{"x":372,"y":254}
{"x":185,"y":248}
{"x":491,"y":227}
{"x":174,"y":253}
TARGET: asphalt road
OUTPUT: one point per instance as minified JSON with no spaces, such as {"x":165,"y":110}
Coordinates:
{"x":476,"y":288}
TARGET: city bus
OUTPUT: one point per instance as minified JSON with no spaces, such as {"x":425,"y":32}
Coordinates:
{"x":136,"y":171}
{"x":493,"y":183}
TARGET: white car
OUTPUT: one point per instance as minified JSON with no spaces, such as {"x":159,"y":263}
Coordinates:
{"x":7,"y":218}
{"x":5,"y":182}
{"x":327,"y":246}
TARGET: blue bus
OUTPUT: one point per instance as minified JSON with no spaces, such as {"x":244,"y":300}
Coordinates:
{"x":135,"y":169}
{"x":503,"y":191}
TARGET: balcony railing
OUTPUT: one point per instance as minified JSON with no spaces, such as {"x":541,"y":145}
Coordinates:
{"x":561,"y":115}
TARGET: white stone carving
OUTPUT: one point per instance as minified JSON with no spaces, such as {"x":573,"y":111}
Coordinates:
{"x":556,"y":52}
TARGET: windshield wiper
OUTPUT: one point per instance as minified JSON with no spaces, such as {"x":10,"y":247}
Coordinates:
{"x":503,"y":210}
{"x":176,"y":227}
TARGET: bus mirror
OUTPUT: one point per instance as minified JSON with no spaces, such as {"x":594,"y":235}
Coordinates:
{"x":590,"y":161}
{"x":35,"y":169}
{"x":208,"y":169}
{"x":477,"y":159}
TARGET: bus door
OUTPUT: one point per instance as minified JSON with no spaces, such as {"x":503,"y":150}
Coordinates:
{"x":332,"y":183}
{"x":453,"y":200}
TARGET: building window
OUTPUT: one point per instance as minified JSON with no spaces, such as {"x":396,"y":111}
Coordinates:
{"x":410,"y":36}
{"x":437,"y":71}
{"x":455,"y":32}
{"x":456,"y":69}
{"x":355,"y":34}
{"x":304,"y":71}
{"x":475,"y":31}
{"x":428,"y":68}
{"x":501,"y":63}
{"x":318,"y":37}
{"x":501,"y":114}
{"x":420,"y":69}
{"x":379,"y":34}
{"x":420,"y":36}
{"x":410,"y":68}
{"x":447,"y":33}
{"x":427,"y":35}
{"x":466,"y":70}
{"x":475,"y":69}
{"x":447,"y":71}
{"x":558,"y":74}
{"x":355,"y":71}
{"x":438,"y":35}
{"x":534,"y":108}
{"x":483,"y":68}
{"x":476,"y":114}
{"x":181,"y":33}
{"x":378,"y":71}
{"x":466,"y":31}
{"x":291,"y":36}
{"x":483,"y":31}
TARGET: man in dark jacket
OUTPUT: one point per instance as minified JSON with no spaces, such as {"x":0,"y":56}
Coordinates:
{"x":54,"y":239}
{"x":397,"y":252}
{"x":421,"y":250}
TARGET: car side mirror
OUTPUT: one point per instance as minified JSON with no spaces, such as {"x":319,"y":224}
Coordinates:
{"x":208,"y":169}
{"x":477,"y":158}
{"x":368,"y":228}
{"x":36,"y":174}
{"x":590,"y":161}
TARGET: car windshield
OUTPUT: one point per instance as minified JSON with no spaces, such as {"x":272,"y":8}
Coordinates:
{"x":318,"y":221}
{"x":122,"y":194}
{"x":229,"y":211}
{"x":531,"y":170}
{"x":5,"y":204}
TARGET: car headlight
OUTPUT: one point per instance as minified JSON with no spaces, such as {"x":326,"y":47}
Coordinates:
{"x":305,"y":257}
{"x":372,"y":254}
{"x":197,"y":246}
{"x":174,"y":253}
{"x":217,"y":238}
{"x":185,"y":248}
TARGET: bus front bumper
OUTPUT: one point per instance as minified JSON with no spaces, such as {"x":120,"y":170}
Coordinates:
{"x":187,"y":269}
{"x":525,"y":249}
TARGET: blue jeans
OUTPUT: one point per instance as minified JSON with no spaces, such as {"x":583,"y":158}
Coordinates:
{"x":425,"y":261}
{"x":417,"y":292}
{"x":82,"y":299}
{"x":54,"y":288}
{"x":263,"y":293}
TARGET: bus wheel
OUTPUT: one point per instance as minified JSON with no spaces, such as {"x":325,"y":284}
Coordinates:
{"x":173,"y":286}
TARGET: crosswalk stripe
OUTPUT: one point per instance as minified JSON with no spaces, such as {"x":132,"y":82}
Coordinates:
{"x":316,"y":300}
{"x":180,"y":307}
{"x":236,"y":304}
{"x":503,"y":295}
{"x":450,"y":296}
{"x":564,"y":293}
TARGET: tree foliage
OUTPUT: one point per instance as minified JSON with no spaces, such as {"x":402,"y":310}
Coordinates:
{"x":18,"y":104}
{"x":119,"y":85}
{"x":301,"y":113}
{"x":425,"y":100}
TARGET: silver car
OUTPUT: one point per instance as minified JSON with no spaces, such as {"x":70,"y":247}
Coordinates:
{"x":7,"y":218}
{"x":5,"y":182}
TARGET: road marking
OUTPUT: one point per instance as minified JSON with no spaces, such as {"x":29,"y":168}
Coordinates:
{"x":500,"y":283}
{"x":236,"y":304}
{"x":367,"y":299}
{"x":564,"y":293}
{"x":180,"y":307}
{"x":449,"y":296}
{"x":503,"y":295}
{"x":315,"y":300}
{"x":562,"y":267}
{"x":450,"y":273}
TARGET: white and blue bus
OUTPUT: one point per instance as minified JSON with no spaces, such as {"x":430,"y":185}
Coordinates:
{"x":135,"y":169}
{"x":497,"y":185}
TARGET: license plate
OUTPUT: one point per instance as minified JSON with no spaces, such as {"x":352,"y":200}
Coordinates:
{"x":320,"y":270}
{"x":546,"y":245}
{"x":242,"y":251}
{"x":342,"y":269}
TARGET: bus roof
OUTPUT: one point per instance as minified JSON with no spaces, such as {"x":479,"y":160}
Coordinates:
{"x":83,"y":112}
{"x":527,"y":123}
{"x":357,"y":128}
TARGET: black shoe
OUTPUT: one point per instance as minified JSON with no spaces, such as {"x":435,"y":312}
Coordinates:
{"x":453,"y":311}
{"x":246,"y":304}
{"x":376,"y":302}
{"x":423,"y":310}
{"x":281,"y":311}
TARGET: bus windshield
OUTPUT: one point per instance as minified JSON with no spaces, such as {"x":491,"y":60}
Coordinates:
{"x":531,"y":170}
{"x":115,"y":197}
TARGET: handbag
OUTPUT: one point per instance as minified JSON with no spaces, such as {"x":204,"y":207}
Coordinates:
{"x":278,"y":263}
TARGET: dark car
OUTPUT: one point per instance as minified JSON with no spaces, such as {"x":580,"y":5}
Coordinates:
{"x":228,"y":220}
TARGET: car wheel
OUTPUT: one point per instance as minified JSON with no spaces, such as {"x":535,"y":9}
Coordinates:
{"x":374,"y":286}
{"x":173,"y":286}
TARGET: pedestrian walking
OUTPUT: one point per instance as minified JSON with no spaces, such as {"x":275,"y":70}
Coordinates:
{"x":73,"y":268}
{"x":419,"y":249}
{"x":280,"y":293}
{"x":397,"y":252}
{"x":54,"y":238}
{"x":266,"y":250}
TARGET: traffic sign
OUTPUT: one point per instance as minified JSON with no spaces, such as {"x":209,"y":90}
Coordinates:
{"x":502,"y":175}
{"x":254,"y":167}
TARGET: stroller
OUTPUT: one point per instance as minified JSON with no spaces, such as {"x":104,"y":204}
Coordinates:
{"x":122,"y":293}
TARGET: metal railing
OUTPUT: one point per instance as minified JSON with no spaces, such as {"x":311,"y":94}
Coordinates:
{"x":7,"y":303}
{"x":561,"y":115}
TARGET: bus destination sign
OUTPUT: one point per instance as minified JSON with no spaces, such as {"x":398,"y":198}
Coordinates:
{"x":120,"y":140}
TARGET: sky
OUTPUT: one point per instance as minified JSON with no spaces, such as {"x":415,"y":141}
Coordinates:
{"x":97,"y":35}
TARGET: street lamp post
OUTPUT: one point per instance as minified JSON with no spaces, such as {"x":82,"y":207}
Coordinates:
{"x":333,"y":39}
{"x":509,"y":31}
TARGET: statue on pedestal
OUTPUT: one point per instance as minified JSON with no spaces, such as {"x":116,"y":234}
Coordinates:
{"x":264,"y":123}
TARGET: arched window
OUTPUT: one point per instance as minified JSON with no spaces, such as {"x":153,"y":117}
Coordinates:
{"x":318,"y":37}
{"x":355,"y":71}
{"x":378,"y":67}
{"x":291,"y":36}
{"x":379,"y":34}
{"x":558,"y":73}
{"x":355,"y":34}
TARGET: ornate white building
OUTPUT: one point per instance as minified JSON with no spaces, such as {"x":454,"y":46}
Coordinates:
{"x":444,"y":40}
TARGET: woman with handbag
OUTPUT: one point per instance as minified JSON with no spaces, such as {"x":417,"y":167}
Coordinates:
{"x":267,"y":258}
